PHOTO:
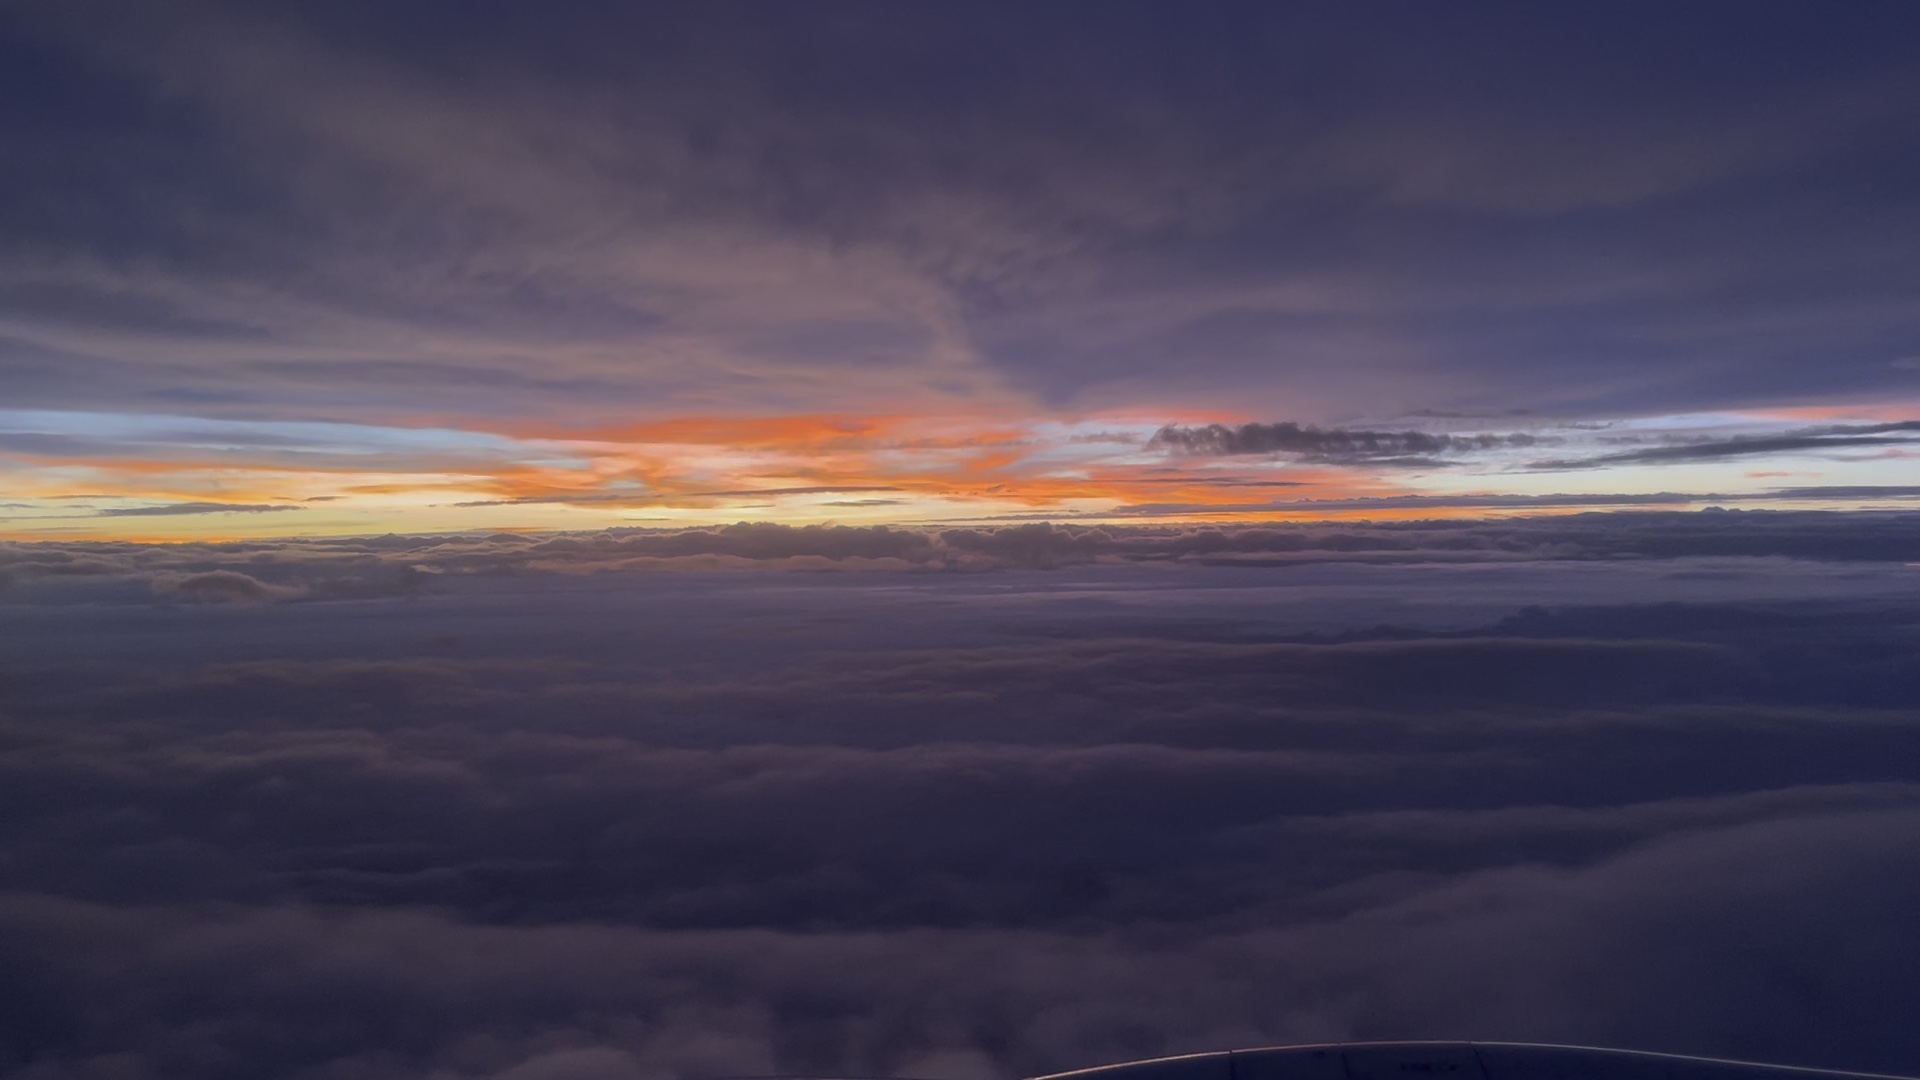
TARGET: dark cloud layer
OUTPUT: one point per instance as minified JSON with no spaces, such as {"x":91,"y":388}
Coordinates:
{"x":1647,"y":782}
{"x":278,"y":208}
{"x":171,"y":509}
{"x":1427,"y":449}
{"x":353,"y":565}
{"x":1336,"y":444}
{"x":1843,"y":437}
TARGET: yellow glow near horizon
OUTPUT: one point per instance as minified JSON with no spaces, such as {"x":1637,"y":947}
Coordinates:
{"x":167,"y":478}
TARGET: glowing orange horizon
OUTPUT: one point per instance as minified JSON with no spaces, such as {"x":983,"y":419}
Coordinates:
{"x":691,"y":471}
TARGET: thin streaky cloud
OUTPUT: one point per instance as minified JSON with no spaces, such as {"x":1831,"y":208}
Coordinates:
{"x":173,"y":509}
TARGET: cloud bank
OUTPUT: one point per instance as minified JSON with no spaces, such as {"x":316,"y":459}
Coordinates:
{"x":345,"y":566}
{"x":504,"y":807}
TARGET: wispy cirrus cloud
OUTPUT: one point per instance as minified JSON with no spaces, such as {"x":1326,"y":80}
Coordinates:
{"x":176,"y":509}
{"x":1816,"y":440}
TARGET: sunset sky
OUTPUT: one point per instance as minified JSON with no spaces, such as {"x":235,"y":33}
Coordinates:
{"x":957,"y":539}
{"x":284,"y":269}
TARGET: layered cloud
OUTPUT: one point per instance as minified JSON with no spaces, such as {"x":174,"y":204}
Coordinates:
{"x":284,"y":213}
{"x":326,"y":568}
{"x":1903,"y":433}
{"x":462,"y":812}
{"x":1312,"y":443}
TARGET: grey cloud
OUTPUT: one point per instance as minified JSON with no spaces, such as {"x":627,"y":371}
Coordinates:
{"x":1502,"y":501}
{"x":1598,"y":501}
{"x":405,"y":565}
{"x":641,"y":499}
{"x":31,"y":444}
{"x":1439,"y":504}
{"x":1417,"y":449}
{"x":219,"y":586}
{"x":844,"y":489}
{"x":1652,"y":786}
{"x":1905,"y":432}
{"x":170,"y":509}
{"x":1525,"y":952}
{"x":1852,"y":491}
{"x":1207,"y":481}
{"x":1104,"y":200}
{"x":1335,"y":444}
{"x":1630,"y":904}
{"x":1111,"y":743}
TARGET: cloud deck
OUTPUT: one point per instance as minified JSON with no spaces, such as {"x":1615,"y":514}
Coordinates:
{"x":1646,"y":780}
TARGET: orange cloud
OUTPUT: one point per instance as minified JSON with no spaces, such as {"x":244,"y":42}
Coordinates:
{"x":702,"y":470}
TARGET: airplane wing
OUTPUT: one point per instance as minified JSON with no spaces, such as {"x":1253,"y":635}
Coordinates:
{"x":1445,"y":1061}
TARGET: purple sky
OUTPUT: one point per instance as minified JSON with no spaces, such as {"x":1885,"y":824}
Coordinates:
{"x":458,"y":265}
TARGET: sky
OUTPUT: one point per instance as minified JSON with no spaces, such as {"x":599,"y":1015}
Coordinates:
{"x":281,"y":269}
{"x":673,"y":541}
